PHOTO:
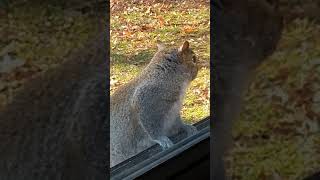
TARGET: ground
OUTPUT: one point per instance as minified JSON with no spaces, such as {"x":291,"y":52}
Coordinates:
{"x":135,"y":29}
{"x":280,"y":138}
{"x":38,"y":37}
{"x":278,"y":134}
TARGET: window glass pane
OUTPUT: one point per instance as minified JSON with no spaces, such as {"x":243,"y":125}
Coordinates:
{"x":137,"y":28}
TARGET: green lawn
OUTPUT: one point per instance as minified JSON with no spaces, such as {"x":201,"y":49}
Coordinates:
{"x":135,"y":30}
{"x":42,"y":35}
{"x":278,"y":138}
{"x":282,"y":138}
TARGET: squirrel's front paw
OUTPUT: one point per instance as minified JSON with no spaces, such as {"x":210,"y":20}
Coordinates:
{"x":164,"y":142}
{"x":191,"y":130}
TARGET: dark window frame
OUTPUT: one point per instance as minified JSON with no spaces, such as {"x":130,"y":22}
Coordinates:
{"x":188,"y":153}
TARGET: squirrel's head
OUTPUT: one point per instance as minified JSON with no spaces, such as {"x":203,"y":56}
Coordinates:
{"x":188,"y":59}
{"x":183,"y":58}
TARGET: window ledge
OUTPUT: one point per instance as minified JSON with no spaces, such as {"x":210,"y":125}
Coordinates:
{"x":154,"y":156}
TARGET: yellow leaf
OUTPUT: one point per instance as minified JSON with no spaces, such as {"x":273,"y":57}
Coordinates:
{"x":127,"y":33}
{"x":161,"y":20}
{"x":188,"y":29}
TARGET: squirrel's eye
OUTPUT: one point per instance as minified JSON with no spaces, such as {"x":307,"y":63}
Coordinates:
{"x":194,"y":59}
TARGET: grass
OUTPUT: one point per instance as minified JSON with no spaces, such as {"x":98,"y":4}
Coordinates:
{"x":281,"y":138}
{"x":134,"y":33}
{"x":43,"y":36}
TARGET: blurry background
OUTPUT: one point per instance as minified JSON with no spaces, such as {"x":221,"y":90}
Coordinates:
{"x":273,"y":140}
{"x":36,"y":35}
{"x":278,"y":136}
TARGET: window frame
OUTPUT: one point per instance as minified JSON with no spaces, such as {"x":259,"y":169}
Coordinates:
{"x":154,"y":160}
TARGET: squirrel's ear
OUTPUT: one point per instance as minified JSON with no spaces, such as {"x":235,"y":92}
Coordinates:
{"x":185,"y":46}
{"x":160,"y":45}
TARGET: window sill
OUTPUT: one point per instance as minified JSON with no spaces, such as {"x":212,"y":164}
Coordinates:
{"x":186,"y":152}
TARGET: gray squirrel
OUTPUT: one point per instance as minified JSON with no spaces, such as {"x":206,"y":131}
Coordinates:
{"x":246,"y":33}
{"x":146,"y":110}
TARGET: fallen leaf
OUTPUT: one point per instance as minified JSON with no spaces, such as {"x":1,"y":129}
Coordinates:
{"x":127,"y":33}
{"x":188,"y":29}
{"x":161,"y":21}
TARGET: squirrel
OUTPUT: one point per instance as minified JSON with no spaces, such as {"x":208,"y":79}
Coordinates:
{"x":56,"y":127}
{"x":247,"y":33}
{"x":146,"y":110}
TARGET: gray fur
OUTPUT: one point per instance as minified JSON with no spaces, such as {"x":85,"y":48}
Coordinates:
{"x":146,"y":110}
